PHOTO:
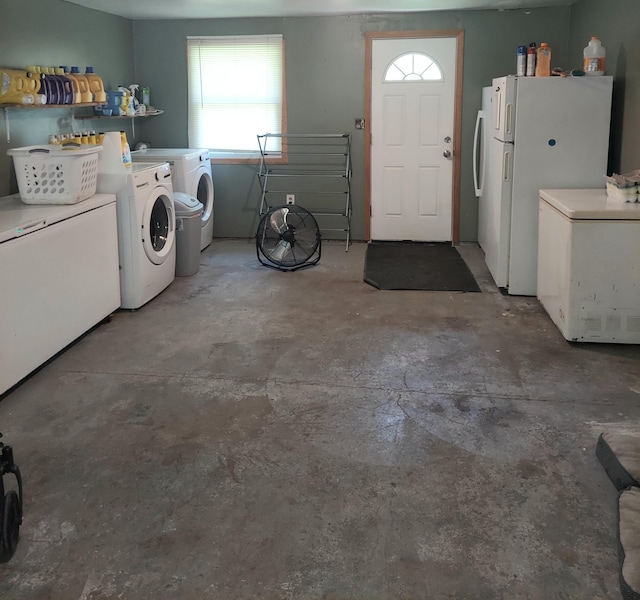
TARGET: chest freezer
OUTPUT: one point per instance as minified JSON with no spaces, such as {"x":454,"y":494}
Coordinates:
{"x":588,"y":265}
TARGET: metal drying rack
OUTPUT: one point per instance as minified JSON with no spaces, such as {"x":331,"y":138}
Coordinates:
{"x":313,"y":170}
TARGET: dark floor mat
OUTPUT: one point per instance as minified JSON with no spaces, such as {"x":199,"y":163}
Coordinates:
{"x":417,"y":266}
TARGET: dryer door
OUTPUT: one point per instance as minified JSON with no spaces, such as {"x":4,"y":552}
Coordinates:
{"x":202,"y":184}
{"x":159,"y":225}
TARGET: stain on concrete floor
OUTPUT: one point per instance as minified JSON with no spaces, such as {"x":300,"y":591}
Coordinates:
{"x":256,"y":434}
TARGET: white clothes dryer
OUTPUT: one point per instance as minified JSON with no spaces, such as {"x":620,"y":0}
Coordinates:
{"x":146,"y":231}
{"x":191,"y":174}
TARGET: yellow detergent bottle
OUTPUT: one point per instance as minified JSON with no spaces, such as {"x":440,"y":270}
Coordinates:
{"x":96,"y":86}
{"x":18,"y":87}
{"x":83,"y":85}
{"x":126,"y":151}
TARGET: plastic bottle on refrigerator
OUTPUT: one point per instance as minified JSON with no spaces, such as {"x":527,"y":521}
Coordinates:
{"x":531,"y":60}
{"x":543,"y":60}
{"x":521,"y":61}
{"x":594,"y":57}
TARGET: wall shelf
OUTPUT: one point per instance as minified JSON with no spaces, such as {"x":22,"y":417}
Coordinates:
{"x":132,"y":117}
{"x":315,"y":169}
{"x":47,"y":106}
{"x":7,"y":107}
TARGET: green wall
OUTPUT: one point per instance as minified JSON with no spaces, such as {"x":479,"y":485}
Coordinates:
{"x":325,"y":77}
{"x":617,"y":24}
{"x":325,"y":85}
{"x":53,"y":33}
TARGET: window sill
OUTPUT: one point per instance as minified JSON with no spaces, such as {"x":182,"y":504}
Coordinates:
{"x":233,"y":157}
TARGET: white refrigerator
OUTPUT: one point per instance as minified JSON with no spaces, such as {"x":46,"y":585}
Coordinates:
{"x":532,"y":133}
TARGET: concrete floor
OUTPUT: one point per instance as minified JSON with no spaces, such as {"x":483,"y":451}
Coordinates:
{"x":257,"y":434}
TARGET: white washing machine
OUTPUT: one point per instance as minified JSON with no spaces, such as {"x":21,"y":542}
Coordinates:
{"x":146,"y":230}
{"x":191,"y":174}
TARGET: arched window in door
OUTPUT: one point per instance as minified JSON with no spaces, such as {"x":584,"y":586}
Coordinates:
{"x":413,"y":66}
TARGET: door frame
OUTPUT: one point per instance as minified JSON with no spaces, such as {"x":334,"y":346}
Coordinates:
{"x":370,"y":36}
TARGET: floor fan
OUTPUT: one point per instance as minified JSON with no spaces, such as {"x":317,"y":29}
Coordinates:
{"x":288,"y":238}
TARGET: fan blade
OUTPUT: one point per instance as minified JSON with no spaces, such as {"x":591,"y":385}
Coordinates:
{"x":281,"y":250}
{"x":278,"y":220}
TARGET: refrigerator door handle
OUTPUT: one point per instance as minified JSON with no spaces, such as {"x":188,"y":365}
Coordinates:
{"x":506,"y":157}
{"x":477,"y":185}
{"x":508,"y":119}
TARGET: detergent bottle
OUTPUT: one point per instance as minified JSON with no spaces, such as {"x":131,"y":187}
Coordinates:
{"x":51,"y":86}
{"x":83,"y":85}
{"x":126,"y":151}
{"x":73,"y":82}
{"x":55,"y":86}
{"x":96,"y":86}
{"x":18,"y":87}
{"x":114,"y":102}
{"x":67,"y":86}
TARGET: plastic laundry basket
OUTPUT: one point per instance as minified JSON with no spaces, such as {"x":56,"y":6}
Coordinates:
{"x":52,"y":174}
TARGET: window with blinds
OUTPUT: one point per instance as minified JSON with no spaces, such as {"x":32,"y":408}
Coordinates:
{"x":236,"y":91}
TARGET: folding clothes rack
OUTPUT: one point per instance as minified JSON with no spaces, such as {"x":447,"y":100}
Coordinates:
{"x":313,"y":170}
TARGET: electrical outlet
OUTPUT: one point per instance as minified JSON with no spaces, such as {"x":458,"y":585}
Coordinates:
{"x":291,"y":198}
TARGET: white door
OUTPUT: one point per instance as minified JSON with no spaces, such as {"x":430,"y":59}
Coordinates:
{"x":413,"y":94}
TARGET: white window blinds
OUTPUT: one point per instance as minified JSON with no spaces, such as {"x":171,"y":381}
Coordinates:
{"x":235,"y":90}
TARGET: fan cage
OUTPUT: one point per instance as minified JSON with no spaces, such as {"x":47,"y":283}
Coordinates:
{"x":288,"y":238}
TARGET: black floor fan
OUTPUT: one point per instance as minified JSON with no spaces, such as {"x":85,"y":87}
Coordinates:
{"x":10,"y":505}
{"x":288,"y":238}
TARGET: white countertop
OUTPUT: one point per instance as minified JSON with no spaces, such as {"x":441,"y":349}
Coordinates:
{"x":590,"y":205}
{"x":18,"y":219}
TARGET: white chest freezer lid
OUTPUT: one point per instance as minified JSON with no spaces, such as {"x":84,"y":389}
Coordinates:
{"x":18,"y":219}
{"x":590,"y":205}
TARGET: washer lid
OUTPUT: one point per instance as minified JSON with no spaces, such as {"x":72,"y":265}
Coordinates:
{"x":186,"y":205}
{"x":590,"y":205}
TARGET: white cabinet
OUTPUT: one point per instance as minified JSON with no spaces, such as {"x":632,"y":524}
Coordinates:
{"x":59,"y":274}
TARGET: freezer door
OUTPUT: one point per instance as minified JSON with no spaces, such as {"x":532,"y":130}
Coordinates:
{"x":562,"y":141}
{"x":494,"y":214}
{"x":503,"y":108}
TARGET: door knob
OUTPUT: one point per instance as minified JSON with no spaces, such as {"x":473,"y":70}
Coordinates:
{"x":447,"y":154}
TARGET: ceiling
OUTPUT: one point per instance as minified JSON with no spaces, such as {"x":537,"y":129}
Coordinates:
{"x":206,"y":9}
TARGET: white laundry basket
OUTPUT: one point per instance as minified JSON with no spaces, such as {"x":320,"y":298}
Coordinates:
{"x":52,"y":174}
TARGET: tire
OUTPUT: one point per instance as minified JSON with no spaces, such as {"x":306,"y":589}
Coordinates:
{"x":10,"y":526}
